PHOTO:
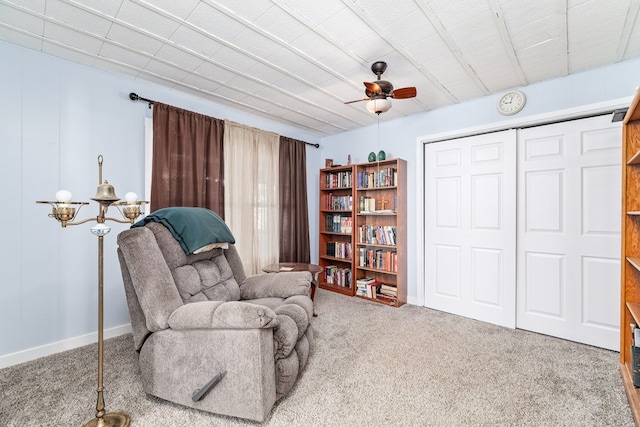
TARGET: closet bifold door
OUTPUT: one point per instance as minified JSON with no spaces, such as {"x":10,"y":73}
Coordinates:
{"x":470,"y":226}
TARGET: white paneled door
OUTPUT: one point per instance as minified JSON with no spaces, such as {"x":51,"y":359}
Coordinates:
{"x":569,"y":200}
{"x":470,"y":230}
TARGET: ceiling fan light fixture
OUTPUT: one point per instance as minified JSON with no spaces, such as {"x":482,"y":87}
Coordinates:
{"x":380,"y":105}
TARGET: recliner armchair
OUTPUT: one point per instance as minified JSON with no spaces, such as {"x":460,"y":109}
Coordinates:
{"x":208,"y":336}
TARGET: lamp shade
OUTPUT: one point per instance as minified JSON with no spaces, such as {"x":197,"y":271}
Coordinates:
{"x":379,"y":105}
{"x":131,"y":197}
{"x":63,"y":196}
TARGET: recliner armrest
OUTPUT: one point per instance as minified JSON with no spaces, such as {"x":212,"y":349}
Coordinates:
{"x":280,"y":285}
{"x":222,"y":315}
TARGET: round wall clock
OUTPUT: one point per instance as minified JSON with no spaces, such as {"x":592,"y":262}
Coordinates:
{"x":511,"y":102}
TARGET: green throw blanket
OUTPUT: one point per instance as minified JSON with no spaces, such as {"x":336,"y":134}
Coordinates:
{"x":193,"y":228}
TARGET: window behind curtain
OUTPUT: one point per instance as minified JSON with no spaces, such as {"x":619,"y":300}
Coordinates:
{"x":265,"y":183}
{"x":251,"y":159}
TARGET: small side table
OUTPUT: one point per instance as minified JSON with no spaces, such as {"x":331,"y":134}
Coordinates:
{"x":283,"y":267}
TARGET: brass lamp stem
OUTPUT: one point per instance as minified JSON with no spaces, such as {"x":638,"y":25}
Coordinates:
{"x":113,"y":419}
{"x":100,"y":402}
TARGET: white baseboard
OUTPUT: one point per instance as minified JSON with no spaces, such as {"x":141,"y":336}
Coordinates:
{"x":57,"y":347}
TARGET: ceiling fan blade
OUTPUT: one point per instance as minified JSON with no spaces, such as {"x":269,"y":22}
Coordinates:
{"x":358,"y":100}
{"x":373,"y":87}
{"x":404,"y":92}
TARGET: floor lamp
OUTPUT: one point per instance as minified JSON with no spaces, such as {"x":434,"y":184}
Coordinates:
{"x":65,"y":212}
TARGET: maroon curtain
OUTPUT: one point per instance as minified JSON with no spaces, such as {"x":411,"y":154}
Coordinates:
{"x":294,"y":210}
{"x":188,"y":161}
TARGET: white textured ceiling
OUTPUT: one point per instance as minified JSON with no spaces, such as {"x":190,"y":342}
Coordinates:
{"x":298,"y":61}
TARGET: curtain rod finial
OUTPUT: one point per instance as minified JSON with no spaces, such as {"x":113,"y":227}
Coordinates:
{"x":133,"y":96}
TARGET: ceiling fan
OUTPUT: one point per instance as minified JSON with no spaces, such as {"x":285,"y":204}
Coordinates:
{"x":379,"y":91}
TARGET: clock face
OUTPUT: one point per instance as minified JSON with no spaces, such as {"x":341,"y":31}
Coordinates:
{"x":511,"y":102}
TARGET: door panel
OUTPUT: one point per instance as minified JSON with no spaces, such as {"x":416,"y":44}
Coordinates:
{"x":447,"y":200}
{"x":447,"y":271}
{"x":486,"y":265}
{"x":546,"y":270}
{"x":569,"y":230}
{"x":470,"y":227}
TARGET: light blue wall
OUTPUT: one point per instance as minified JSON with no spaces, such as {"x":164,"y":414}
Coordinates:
{"x":399,"y":137}
{"x":56,"y":117}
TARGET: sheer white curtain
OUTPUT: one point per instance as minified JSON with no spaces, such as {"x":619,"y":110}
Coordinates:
{"x":251,"y":196}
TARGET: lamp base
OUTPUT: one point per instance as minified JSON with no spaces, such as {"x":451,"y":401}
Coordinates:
{"x":111,"y":419}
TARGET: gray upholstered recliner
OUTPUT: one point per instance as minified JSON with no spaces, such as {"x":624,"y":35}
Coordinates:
{"x":196,"y":317}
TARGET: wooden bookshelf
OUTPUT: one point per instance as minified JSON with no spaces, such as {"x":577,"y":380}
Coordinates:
{"x":381,"y":231}
{"x":340,"y":247}
{"x":336,"y":229}
{"x":630,"y":271}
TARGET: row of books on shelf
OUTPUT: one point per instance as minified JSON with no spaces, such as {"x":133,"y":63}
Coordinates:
{"x":339,"y":224}
{"x":371,"y":288}
{"x":377,"y":234}
{"x":340,"y":250}
{"x":337,"y":203}
{"x":368,"y":204}
{"x":337,"y":276}
{"x":378,"y":259}
{"x":339,"y":179}
{"x":385,"y":177}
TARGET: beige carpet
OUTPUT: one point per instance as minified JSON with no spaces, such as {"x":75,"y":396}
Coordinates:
{"x":372,"y":366}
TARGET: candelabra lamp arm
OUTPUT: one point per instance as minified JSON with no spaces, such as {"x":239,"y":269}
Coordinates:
{"x":121,"y":221}
{"x":84,"y":221}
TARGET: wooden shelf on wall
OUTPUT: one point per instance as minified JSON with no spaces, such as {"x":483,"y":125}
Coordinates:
{"x":630,"y":268}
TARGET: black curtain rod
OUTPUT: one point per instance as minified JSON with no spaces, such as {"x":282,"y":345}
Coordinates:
{"x":135,"y":97}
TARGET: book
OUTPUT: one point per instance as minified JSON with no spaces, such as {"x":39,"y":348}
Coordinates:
{"x":337,"y":276}
{"x":388,"y":290}
{"x":371,"y":290}
{"x":386,"y":298}
{"x":365,"y":286}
